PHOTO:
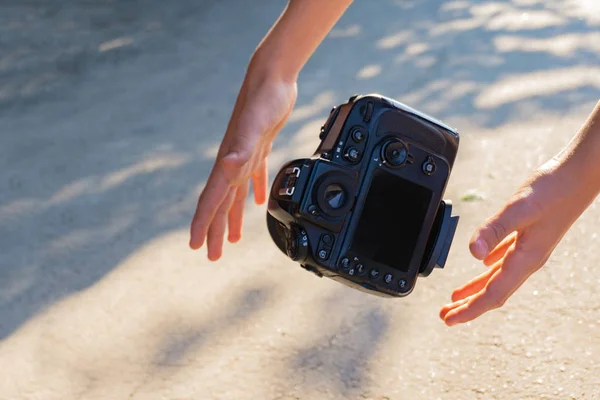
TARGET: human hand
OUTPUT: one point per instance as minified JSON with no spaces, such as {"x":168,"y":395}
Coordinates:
{"x":521,"y":237}
{"x":263,"y":106}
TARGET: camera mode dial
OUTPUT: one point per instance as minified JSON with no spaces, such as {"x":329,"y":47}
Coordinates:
{"x":296,"y":243}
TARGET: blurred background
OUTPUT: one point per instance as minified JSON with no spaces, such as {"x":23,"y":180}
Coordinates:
{"x":110,"y":115}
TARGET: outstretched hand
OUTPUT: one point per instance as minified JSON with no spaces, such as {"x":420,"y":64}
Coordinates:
{"x":519,"y":239}
{"x":262,"y":108}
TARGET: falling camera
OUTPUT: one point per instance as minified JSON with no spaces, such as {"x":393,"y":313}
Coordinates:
{"x":367,"y":208}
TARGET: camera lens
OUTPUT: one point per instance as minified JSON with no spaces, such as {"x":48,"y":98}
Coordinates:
{"x":395,"y":153}
{"x":335,"y":196}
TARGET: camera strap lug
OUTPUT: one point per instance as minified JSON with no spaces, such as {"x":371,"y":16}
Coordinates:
{"x":289,"y":184}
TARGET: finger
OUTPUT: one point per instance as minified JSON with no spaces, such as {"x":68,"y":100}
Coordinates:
{"x":216,"y":232}
{"x":515,"y":215}
{"x":496,"y":254}
{"x":211,"y":198}
{"x":474,"y":285}
{"x":259,"y":182}
{"x":236,"y":214}
{"x":260,"y":177}
{"x":449,"y":307}
{"x":478,"y":283}
{"x":501,"y":285}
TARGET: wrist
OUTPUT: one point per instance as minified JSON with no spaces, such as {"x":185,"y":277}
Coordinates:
{"x":582,"y":153}
{"x":269,"y":64}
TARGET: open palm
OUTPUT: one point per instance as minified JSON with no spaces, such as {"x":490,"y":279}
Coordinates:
{"x":262,"y":108}
{"x":522,"y":236}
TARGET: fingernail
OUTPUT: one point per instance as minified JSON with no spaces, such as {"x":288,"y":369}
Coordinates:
{"x":480,"y":249}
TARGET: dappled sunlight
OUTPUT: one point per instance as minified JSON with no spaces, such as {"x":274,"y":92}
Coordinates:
{"x":209,"y":151}
{"x":490,"y":8}
{"x":91,"y":185}
{"x":143,"y":167}
{"x":396,"y":40}
{"x":435,"y":86}
{"x":537,"y":84}
{"x":501,"y":57}
{"x":415,"y":49}
{"x":302,"y":144}
{"x":344,"y":32}
{"x":322,"y":361}
{"x":566,"y":45}
{"x":306,"y":136}
{"x":165,"y":308}
{"x":457,"y":25}
{"x":586,"y":10}
{"x":481,"y":60}
{"x":426,"y":61}
{"x":322,"y":102}
{"x":534,"y":138}
{"x":518,"y":20}
{"x":459,"y":89}
{"x":86,"y":238}
{"x":455,"y":5}
{"x":14,"y":90}
{"x":115,"y":44}
{"x":73,"y":190}
{"x":417,"y":52}
{"x":101,"y":296}
{"x":369,"y":71}
{"x":124,"y":318}
{"x":14,"y":210}
{"x":437,"y":97}
{"x":167,"y":314}
{"x":495,"y":16}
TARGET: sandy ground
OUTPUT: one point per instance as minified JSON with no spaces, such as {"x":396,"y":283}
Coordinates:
{"x":110,"y":114}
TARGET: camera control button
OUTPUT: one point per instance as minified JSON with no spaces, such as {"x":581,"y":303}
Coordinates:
{"x":388,"y":278}
{"x":360,"y":268}
{"x":402,"y":283}
{"x":429,"y":166}
{"x":358,"y":134}
{"x":374,"y":273}
{"x":322,"y":254}
{"x":325,"y":245}
{"x":345,"y":263}
{"x":352,"y":155}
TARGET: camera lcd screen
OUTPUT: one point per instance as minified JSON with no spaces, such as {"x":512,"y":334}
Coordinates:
{"x":391,"y":220}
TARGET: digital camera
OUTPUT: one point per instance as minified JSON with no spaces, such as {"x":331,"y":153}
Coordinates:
{"x":367,"y":209}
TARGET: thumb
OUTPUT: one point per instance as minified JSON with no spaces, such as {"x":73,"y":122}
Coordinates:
{"x":513,"y":216}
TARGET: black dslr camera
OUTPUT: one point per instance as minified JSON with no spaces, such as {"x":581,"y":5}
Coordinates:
{"x":366,"y":209}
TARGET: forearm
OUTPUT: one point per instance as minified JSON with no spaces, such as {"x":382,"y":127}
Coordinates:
{"x":582,"y":153}
{"x":295,"y":36}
